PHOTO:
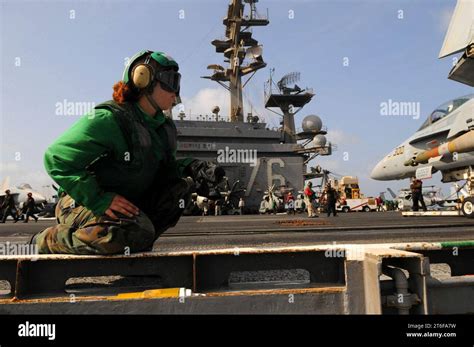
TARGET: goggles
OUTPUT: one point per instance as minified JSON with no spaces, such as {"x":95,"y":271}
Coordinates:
{"x":169,"y":80}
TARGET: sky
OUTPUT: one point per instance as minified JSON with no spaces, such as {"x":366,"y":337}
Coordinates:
{"x":355,"y":55}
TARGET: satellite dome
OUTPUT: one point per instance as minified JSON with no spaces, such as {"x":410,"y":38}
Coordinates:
{"x":312,"y":123}
{"x":319,"y":140}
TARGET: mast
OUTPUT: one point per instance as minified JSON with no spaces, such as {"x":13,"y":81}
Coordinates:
{"x":238,"y":45}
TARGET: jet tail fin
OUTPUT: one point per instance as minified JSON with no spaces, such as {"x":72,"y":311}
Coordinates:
{"x":5,"y":184}
{"x":459,"y":34}
{"x":392,"y":193}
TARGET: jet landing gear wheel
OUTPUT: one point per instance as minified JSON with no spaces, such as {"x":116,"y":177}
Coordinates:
{"x":468,"y":207}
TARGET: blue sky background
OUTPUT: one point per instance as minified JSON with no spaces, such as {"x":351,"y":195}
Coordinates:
{"x":80,"y":59}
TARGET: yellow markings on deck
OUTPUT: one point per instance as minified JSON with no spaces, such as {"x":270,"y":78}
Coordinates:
{"x":153,"y":294}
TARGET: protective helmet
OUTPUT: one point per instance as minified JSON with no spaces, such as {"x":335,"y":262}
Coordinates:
{"x":143,"y":75}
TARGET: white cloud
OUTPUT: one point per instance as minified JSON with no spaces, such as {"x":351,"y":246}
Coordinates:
{"x":203,"y":102}
{"x":205,"y":99}
{"x":9,"y":168}
{"x":337,"y":136}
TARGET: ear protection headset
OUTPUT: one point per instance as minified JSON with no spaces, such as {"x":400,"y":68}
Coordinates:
{"x":142,"y":75}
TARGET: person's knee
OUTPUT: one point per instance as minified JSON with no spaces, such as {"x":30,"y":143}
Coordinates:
{"x":100,"y":236}
{"x":128,"y":236}
{"x":140,"y":239}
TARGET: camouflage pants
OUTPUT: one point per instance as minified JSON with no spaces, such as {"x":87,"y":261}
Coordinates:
{"x":79,"y":231}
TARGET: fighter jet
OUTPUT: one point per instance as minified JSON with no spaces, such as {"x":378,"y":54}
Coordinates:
{"x":445,"y":141}
{"x":20,"y":192}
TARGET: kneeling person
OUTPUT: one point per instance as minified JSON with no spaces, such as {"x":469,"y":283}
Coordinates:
{"x":121,"y":185}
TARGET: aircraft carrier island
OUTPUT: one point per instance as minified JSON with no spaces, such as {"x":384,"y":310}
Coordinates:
{"x":261,"y":248}
{"x":257,"y":159}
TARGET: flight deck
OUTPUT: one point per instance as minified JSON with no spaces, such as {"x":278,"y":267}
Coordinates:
{"x":209,"y":232}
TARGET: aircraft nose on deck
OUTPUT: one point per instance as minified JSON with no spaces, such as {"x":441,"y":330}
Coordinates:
{"x":377,"y":172}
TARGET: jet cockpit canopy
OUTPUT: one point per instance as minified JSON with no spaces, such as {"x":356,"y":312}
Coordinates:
{"x":444,"y":110}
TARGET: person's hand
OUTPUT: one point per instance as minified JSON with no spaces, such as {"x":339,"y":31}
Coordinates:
{"x":122,"y":205}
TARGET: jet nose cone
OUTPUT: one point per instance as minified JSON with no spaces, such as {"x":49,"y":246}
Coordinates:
{"x":377,"y":172}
